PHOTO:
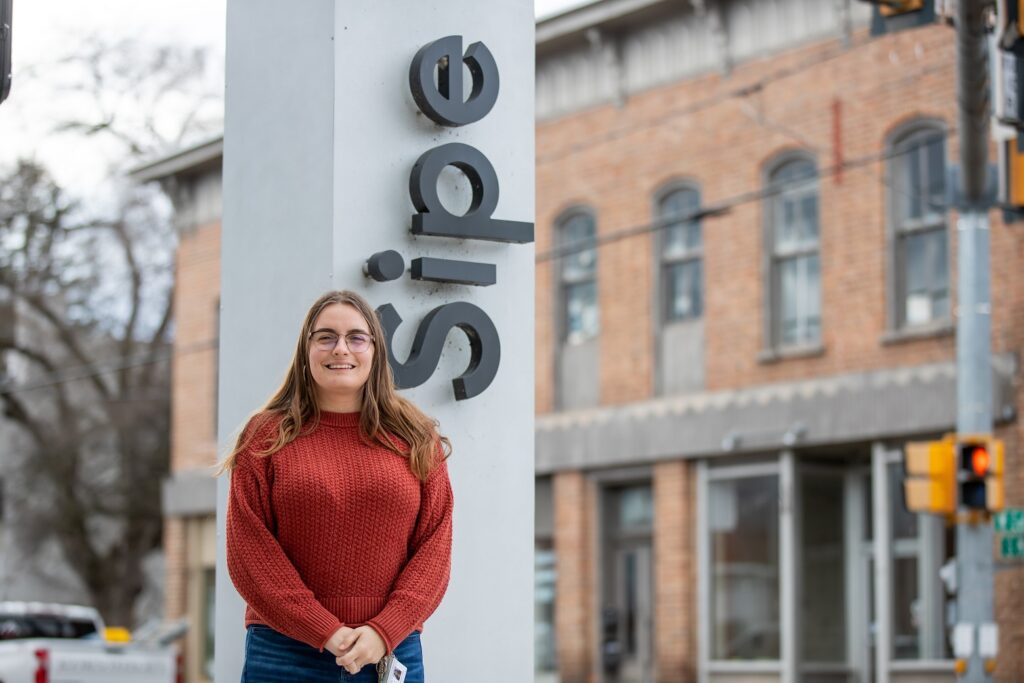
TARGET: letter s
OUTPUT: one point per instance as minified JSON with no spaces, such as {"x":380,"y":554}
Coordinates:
{"x":485,"y":347}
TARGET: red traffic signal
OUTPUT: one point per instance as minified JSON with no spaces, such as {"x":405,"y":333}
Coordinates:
{"x":979,"y":460}
{"x":979,"y":473}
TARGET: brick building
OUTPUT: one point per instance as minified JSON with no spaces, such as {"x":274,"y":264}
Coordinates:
{"x":192,"y":178}
{"x":745,"y":295}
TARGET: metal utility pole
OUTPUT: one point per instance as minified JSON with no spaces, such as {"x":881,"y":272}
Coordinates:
{"x":974,"y":635}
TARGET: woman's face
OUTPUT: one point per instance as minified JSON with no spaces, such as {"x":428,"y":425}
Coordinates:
{"x":339,"y":365}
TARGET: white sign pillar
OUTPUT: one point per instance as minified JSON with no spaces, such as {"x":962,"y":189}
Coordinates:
{"x":322,"y":135}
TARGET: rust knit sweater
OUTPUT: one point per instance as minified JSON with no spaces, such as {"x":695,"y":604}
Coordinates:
{"x":330,"y":532}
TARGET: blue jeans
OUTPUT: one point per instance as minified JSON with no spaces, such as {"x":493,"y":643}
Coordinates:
{"x":271,"y":657}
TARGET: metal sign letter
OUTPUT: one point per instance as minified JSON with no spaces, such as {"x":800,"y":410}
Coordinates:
{"x":485,"y":347}
{"x":434,"y":219}
{"x":443,"y":102}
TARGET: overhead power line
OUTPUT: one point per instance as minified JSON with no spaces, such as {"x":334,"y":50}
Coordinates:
{"x":105,"y":367}
{"x":712,"y":210}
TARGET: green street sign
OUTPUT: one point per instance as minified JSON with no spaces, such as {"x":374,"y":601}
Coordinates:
{"x":1011,"y":547}
{"x":1010,"y":521}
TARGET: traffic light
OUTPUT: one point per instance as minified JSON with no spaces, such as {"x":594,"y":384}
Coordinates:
{"x":1010,"y":24}
{"x":1011,"y":180}
{"x":980,"y":472}
{"x":930,"y":485}
{"x":5,"y":48}
{"x":891,"y":8}
{"x":895,"y":15}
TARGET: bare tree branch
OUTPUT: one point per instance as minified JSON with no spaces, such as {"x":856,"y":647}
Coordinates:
{"x":96,"y":287}
{"x":64,"y":333}
{"x":16,"y":410}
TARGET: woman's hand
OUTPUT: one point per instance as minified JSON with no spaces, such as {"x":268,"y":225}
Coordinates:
{"x":360,"y":646}
{"x":333,"y":644}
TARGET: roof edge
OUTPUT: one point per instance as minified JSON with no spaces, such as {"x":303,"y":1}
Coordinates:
{"x":578,"y":19}
{"x":188,"y":159}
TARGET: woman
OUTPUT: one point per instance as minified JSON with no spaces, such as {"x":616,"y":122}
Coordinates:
{"x":339,"y":518}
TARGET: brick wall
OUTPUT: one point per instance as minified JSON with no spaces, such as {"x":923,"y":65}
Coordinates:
{"x":574,"y":589}
{"x":175,"y":594}
{"x":615,"y":159}
{"x":675,"y":572}
{"x":1008,"y":301}
{"x":197,"y":277}
{"x":193,"y":395}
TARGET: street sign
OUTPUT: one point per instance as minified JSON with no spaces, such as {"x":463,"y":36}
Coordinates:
{"x":1010,"y":521}
{"x":1011,"y":547}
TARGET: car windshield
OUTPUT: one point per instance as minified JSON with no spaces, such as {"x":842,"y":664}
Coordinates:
{"x":14,"y":626}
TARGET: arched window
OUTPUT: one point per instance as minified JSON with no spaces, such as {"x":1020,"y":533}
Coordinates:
{"x":795,"y":272}
{"x":919,"y":237}
{"x":682,"y":296}
{"x":578,"y":281}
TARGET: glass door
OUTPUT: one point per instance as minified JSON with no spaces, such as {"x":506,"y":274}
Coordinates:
{"x":627,"y":617}
{"x":633,"y":586}
{"x":823,"y":572}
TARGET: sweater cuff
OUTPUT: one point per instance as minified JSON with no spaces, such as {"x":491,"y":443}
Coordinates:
{"x":391,"y":625}
{"x":321,"y":627}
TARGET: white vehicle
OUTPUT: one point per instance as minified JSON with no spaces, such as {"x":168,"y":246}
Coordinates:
{"x":50,"y":643}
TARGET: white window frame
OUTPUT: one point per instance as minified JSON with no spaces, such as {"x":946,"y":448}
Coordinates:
{"x":897,"y":233}
{"x":782,"y":467}
{"x":787,"y":667}
{"x":665,"y":260}
{"x":772,"y":257}
{"x":563,"y":283}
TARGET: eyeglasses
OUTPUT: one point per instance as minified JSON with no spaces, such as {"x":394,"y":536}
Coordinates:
{"x":357,"y":342}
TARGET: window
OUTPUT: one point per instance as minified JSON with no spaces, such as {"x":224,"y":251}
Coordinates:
{"x":795,"y":275}
{"x":577,"y":235}
{"x":920,"y":248}
{"x":681,"y":250}
{"x":544,"y":573}
{"x":919,"y":547}
{"x":743,"y":525}
{"x":209,"y":593}
{"x":627,"y":592}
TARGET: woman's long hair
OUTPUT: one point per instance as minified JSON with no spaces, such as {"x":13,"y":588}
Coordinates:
{"x":384,"y":414}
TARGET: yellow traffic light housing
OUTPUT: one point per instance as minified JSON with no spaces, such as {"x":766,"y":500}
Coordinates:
{"x":931,"y":476}
{"x":1012,"y":185}
{"x":889,"y":16}
{"x":890,"y":8}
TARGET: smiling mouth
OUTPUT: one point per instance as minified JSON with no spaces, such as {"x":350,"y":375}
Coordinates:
{"x":340,"y":366}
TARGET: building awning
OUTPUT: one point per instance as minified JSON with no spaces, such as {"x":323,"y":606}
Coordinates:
{"x":890,"y":403}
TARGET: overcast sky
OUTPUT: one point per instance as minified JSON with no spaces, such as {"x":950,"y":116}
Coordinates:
{"x":46,"y":30}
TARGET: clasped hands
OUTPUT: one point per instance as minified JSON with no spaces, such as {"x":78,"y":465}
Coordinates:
{"x":354,"y":648}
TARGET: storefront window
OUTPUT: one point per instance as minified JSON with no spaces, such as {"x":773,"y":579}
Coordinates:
{"x":743,"y":519}
{"x":546,"y":665}
{"x":636,"y":508}
{"x":907,"y":612}
{"x":209,"y":593}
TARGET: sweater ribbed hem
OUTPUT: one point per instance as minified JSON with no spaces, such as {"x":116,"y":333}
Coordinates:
{"x":353,"y":608}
